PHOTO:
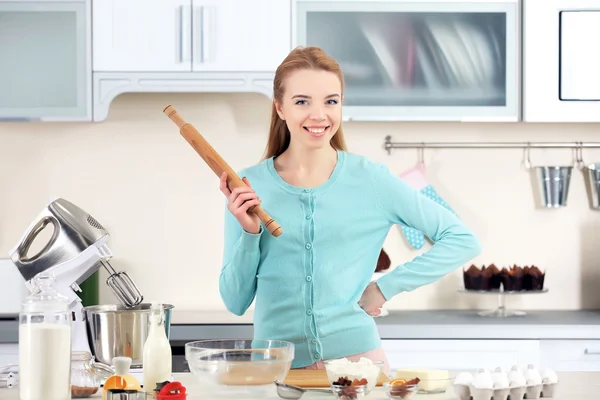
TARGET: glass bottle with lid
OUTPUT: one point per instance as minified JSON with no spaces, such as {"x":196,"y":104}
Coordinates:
{"x":45,"y":343}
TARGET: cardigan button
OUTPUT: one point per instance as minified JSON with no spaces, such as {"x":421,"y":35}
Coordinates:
{"x":308,"y":246}
{"x":317,"y":356}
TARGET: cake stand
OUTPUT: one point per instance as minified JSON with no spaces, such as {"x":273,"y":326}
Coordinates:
{"x":502,"y":311}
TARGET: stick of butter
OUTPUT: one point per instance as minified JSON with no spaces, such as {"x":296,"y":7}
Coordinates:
{"x":432,"y":380}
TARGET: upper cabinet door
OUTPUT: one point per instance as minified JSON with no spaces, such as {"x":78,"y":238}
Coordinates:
{"x":45,"y":61}
{"x":420,"y":60}
{"x":142,"y":35}
{"x":240,"y":35}
{"x":561,"y":82}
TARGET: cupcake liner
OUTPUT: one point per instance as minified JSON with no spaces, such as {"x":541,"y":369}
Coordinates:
{"x":507,"y":283}
{"x":495,"y":281}
{"x":516,"y":282}
{"x":468,"y":281}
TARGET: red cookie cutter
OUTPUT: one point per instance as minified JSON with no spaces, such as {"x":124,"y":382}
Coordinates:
{"x":172,"y":391}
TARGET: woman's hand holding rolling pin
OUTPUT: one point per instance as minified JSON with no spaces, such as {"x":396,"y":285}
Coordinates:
{"x":239,"y":200}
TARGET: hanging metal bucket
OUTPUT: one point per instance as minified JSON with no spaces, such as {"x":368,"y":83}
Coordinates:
{"x":591,"y":174}
{"x":552,"y":185}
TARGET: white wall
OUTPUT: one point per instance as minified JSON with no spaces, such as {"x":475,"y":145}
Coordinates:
{"x":137,"y":176}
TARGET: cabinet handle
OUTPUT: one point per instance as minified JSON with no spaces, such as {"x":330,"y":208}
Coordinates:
{"x":591,"y":352}
{"x":198,"y":35}
{"x":208,"y":33}
{"x":205,"y":33}
{"x":185,"y":32}
{"x":179,"y":33}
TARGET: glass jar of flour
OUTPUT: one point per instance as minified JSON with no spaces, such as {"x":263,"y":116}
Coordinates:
{"x":45,"y":344}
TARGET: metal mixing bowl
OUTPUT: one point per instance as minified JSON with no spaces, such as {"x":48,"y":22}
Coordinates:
{"x":116,"y":331}
{"x":239,"y":366}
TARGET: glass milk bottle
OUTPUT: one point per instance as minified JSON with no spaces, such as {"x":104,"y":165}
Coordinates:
{"x":45,"y":344}
{"x":156,"y":361}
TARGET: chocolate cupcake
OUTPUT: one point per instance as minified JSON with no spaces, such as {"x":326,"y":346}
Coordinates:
{"x":533,"y":279}
{"x":486,"y":278}
{"x":516,"y":277}
{"x":496,"y":278}
{"x":472,"y":278}
{"x":505,"y":279}
{"x":383,"y":262}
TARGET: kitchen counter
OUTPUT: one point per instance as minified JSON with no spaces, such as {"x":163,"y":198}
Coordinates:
{"x":426,"y":324}
{"x":188,"y":325}
{"x":572,"y":386}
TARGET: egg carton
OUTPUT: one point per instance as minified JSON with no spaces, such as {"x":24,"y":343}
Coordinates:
{"x":467,"y":392}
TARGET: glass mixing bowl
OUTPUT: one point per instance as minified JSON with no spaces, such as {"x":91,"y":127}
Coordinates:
{"x":239,"y":365}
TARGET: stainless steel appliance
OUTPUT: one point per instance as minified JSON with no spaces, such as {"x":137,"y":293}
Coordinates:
{"x":120,"y":331}
{"x":76,"y":249}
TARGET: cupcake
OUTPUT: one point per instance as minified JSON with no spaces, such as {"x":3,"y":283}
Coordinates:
{"x":472,"y":278}
{"x":501,"y":385}
{"x":549,"y":382}
{"x":383,"y":262}
{"x":505,"y":279}
{"x":533,"y":279}
{"x":462,"y":384}
{"x":516,"y":276}
{"x":516,"y":383}
{"x":534,"y":382}
{"x":486,"y":277}
{"x":482,"y":386}
{"x":495,"y":277}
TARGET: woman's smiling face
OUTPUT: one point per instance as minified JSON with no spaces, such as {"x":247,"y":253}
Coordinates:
{"x":311,"y":107}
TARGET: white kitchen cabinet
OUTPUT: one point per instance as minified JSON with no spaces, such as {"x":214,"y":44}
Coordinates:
{"x":571,"y":355}
{"x":419,"y":60}
{"x":142,"y":35}
{"x":190,"y":35}
{"x":45,"y":60}
{"x":240,"y":35}
{"x":461,"y":355}
{"x":560,"y":65}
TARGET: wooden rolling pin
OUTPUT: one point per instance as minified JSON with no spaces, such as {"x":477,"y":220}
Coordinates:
{"x":218,"y":165}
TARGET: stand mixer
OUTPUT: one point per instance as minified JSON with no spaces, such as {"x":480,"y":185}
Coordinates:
{"x":76,"y":250}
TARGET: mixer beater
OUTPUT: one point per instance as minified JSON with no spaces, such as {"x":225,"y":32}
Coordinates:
{"x":122,"y":286}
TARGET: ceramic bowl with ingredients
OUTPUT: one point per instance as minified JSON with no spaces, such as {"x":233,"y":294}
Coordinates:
{"x":239,"y":366}
{"x":363,"y":371}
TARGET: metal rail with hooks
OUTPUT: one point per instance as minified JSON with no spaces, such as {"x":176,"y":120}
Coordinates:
{"x":389,"y":145}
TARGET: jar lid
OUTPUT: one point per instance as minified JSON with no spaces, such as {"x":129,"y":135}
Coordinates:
{"x":45,"y":298}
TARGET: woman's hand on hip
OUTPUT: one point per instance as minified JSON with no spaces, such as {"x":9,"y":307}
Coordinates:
{"x":239,"y":200}
{"x":372,"y":299}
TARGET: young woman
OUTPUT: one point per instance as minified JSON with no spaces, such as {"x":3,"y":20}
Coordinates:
{"x":335,"y":208}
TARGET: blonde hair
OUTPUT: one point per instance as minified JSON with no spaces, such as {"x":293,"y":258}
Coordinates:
{"x":300,"y":58}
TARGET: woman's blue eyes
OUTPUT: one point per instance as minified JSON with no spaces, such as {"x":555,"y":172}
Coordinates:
{"x":304,"y":102}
